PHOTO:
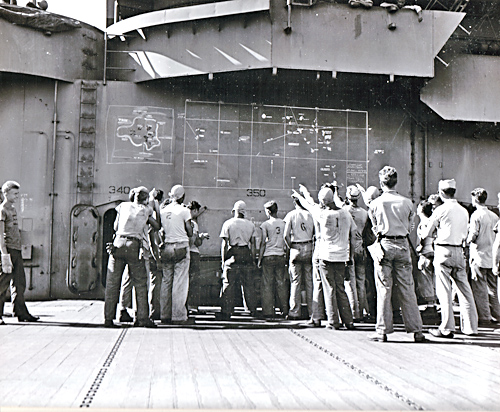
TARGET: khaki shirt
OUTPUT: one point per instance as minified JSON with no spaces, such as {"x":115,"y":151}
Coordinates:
{"x":481,"y":236}
{"x":391,"y":214}
{"x":450,"y":219}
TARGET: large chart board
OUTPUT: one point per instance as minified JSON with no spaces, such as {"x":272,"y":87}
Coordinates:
{"x":272,"y":147}
{"x":139,"y":134}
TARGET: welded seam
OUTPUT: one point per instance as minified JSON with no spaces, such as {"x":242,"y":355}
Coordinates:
{"x":362,"y":373}
{"x":89,"y":397}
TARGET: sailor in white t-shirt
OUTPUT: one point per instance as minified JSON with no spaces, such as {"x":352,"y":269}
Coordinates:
{"x":177,"y":229}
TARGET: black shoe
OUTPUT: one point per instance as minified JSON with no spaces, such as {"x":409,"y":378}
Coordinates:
{"x":2,"y":322}
{"x":27,"y":318}
{"x":166,"y":321}
{"x":145,"y":324}
{"x":125,"y":317}
{"x":188,"y":321}
{"x":438,"y":334}
{"x":109,"y":324}
{"x":222,"y":316}
{"x":378,"y":337}
{"x":350,"y":326}
{"x":486,"y":324}
{"x":420,"y":338}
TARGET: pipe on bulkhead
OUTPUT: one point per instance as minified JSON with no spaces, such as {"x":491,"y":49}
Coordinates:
{"x":52,"y":188}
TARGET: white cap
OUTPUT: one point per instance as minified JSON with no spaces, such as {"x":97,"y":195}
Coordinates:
{"x":177,"y":192}
{"x":325,"y":195}
{"x":447,"y":184}
{"x":240,"y":206}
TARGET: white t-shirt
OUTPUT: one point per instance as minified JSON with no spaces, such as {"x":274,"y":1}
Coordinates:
{"x":173,"y":219}
{"x":302,"y":225}
{"x":335,"y":227}
{"x":238,"y":231}
{"x":131,"y":219}
{"x":272,"y":234}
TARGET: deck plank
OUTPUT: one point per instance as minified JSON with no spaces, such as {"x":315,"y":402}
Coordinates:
{"x":237,"y":365}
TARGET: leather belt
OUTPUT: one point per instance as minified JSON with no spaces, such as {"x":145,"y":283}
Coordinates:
{"x":442,"y":244}
{"x":392,"y":237}
{"x":302,"y":242}
{"x":129,"y":237}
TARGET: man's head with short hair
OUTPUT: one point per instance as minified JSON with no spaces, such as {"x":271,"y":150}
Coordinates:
{"x":9,"y":185}
{"x":194,"y":205}
{"x":388,"y":177}
{"x":479,"y":195}
{"x":140,"y":194}
{"x":271,"y":207}
{"x":425,"y":207}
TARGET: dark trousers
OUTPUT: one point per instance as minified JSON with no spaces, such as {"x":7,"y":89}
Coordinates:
{"x":17,"y":282}
{"x":274,"y":279}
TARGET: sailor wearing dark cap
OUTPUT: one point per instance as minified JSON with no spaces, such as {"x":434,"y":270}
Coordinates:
{"x":450,"y":219}
{"x":392,"y":219}
{"x":130,"y":222}
{"x":237,"y":253}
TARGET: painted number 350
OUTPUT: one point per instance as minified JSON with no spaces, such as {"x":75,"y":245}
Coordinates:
{"x":256,"y":193}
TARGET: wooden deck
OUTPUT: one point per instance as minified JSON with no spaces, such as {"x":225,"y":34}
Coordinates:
{"x":69,"y":361}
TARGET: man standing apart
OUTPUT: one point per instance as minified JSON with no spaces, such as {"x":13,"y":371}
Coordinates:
{"x":299,"y":231}
{"x":392,"y":218}
{"x":480,"y":238}
{"x":237,"y":254}
{"x":272,"y":261}
{"x":175,"y":257}
{"x":12,"y":271}
{"x":336,"y":230}
{"x":450,"y":219}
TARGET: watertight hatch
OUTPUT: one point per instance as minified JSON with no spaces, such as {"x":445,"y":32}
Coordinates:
{"x":83,"y":268}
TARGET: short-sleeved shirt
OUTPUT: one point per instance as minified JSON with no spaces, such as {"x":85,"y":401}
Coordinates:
{"x":272,"y":234}
{"x":238,"y":231}
{"x":196,"y":231}
{"x":132,"y":218}
{"x":173,"y":219}
{"x":482,"y":224}
{"x":450,"y":219}
{"x":391,"y":214}
{"x":12,"y":234}
{"x":360,"y":216}
{"x":335,"y":229}
{"x":302,"y":225}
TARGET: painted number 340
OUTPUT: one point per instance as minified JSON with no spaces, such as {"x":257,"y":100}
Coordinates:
{"x":256,"y":193}
{"x":120,"y":189}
